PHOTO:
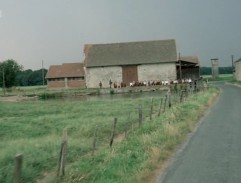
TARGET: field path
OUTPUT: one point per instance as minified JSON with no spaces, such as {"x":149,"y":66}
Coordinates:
{"x":213,"y":154}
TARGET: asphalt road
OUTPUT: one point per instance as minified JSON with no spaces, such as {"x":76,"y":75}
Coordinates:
{"x":213,"y":154}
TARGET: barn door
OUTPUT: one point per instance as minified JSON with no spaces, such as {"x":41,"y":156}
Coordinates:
{"x":129,"y":74}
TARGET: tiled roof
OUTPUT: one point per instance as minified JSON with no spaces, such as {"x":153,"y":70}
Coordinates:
{"x":66,"y":70}
{"x":130,"y":53}
{"x":191,"y":59}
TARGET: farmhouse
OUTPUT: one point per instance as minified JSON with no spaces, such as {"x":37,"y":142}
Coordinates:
{"x":67,"y":75}
{"x":190,"y":67}
{"x":130,"y":61}
{"x":237,"y":73}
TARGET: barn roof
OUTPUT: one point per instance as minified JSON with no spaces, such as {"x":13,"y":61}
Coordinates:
{"x":239,"y":60}
{"x":190,"y":59}
{"x":65,"y":70}
{"x":130,"y":53}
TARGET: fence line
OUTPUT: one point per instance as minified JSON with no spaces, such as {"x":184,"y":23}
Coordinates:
{"x":141,"y":114}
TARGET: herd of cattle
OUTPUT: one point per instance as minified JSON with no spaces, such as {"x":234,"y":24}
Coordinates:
{"x":151,"y":83}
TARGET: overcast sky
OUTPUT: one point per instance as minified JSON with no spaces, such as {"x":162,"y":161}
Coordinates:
{"x":56,"y":30}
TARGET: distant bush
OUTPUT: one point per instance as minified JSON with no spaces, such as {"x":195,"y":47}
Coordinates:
{"x":45,"y":96}
{"x":112,"y":92}
{"x":222,"y":70}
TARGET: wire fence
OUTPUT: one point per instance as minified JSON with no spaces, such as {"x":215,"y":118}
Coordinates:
{"x":121,"y":126}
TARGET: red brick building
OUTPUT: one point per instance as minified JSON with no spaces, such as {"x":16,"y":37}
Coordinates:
{"x":67,"y":75}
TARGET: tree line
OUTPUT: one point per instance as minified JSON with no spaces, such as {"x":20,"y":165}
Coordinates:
{"x":13,"y":74}
{"x":222,"y":70}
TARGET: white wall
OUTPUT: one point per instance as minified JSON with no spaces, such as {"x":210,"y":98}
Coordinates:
{"x":238,"y":71}
{"x":164,"y":71}
{"x":96,"y":74}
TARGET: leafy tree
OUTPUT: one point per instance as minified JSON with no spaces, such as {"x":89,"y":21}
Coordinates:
{"x":23,"y":77}
{"x":225,"y":70}
{"x":31,"y":78}
{"x":205,"y":70}
{"x":222,"y":70}
{"x":9,"y":70}
{"x":36,"y":77}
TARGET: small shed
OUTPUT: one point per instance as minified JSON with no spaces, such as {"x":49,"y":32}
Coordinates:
{"x":237,"y":73}
{"x":190,"y":67}
{"x":67,"y":75}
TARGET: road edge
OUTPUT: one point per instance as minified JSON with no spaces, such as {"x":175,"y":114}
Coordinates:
{"x":179,"y":149}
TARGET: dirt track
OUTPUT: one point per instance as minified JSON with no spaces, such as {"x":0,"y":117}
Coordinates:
{"x":16,"y":98}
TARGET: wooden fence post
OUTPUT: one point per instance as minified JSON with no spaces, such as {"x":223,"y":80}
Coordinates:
{"x":131,"y":121}
{"x":17,"y":177}
{"x":181,"y":96}
{"x":159,"y":112}
{"x":165,"y":103}
{"x":94,"y":140}
{"x":151,"y":111}
{"x":63,"y":154}
{"x":113,"y":132}
{"x":140,"y":115}
{"x":169,"y":101}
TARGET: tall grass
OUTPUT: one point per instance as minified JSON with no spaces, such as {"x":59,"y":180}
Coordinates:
{"x":43,"y":91}
{"x":134,"y":159}
{"x":35,"y":129}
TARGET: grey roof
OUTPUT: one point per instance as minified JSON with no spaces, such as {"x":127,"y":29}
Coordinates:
{"x":130,"y":53}
{"x":191,"y":59}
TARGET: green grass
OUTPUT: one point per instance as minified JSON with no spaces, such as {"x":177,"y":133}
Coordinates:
{"x":35,"y":129}
{"x":136,"y":157}
{"x":44,"y":91}
{"x":222,"y":77}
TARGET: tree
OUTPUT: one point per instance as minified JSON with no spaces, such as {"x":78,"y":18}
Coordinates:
{"x":22,"y":78}
{"x":36,"y":77}
{"x":9,"y":70}
{"x":31,"y":78}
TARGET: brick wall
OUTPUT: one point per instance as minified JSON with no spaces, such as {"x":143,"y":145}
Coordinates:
{"x":76,"y":84}
{"x":69,"y":83}
{"x":56,"y":84}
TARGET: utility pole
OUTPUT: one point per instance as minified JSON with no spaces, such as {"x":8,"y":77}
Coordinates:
{"x":232,"y":62}
{"x":43,"y":71}
{"x":3,"y":82}
{"x":180,"y":65}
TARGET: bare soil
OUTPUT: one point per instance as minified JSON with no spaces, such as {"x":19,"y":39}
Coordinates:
{"x":17,"y":98}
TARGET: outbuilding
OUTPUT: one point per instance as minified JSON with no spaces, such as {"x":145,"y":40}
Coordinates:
{"x":130,"y":61}
{"x":189,"y":69}
{"x":67,"y":75}
{"x":237,"y":73}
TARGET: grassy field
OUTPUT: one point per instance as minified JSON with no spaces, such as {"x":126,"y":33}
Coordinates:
{"x":44,"y":91}
{"x":222,"y":77}
{"x":35,"y":129}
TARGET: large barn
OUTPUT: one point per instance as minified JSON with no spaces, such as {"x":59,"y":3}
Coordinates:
{"x":237,"y":73}
{"x":130,"y":61}
{"x":67,"y":75}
